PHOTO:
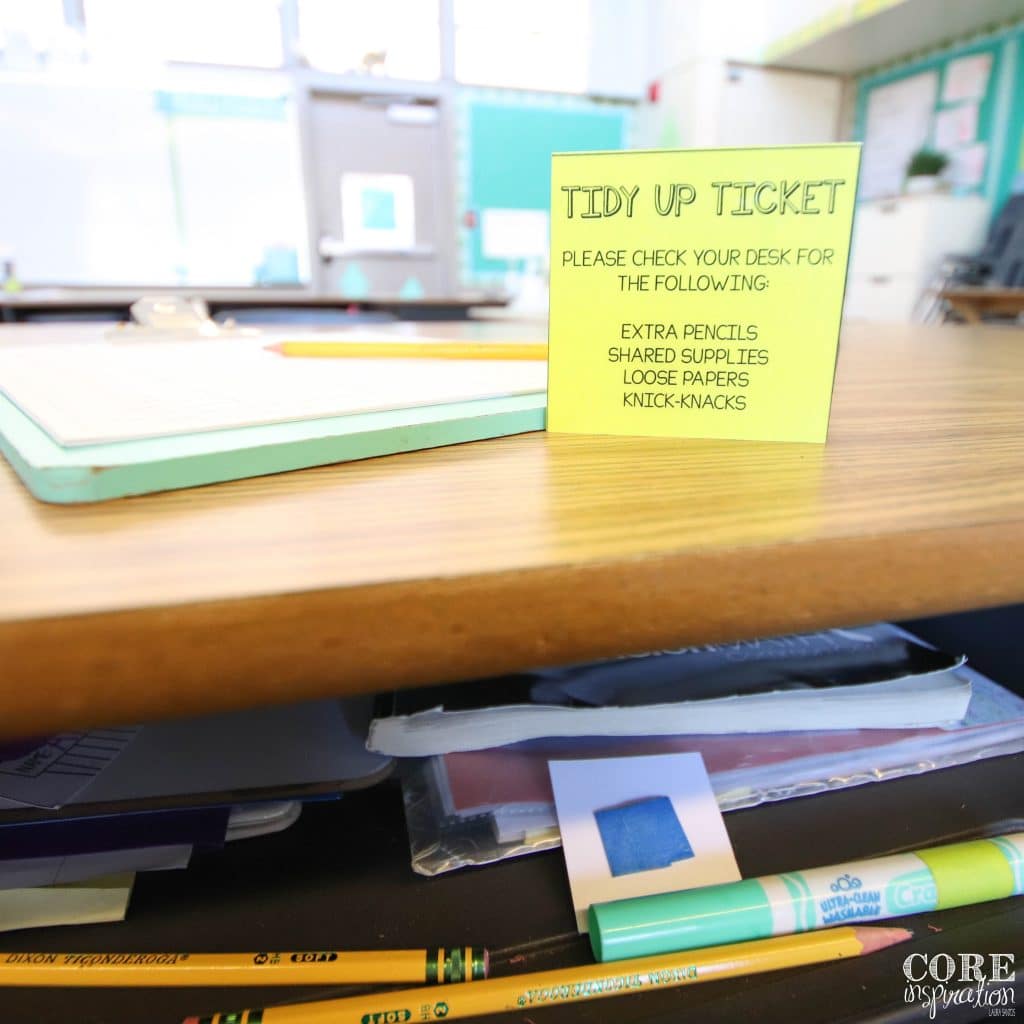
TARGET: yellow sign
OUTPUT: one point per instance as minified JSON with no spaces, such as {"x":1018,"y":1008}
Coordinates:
{"x":698,"y":293}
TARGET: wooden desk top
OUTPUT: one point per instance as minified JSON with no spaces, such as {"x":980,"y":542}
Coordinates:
{"x":973,"y":302}
{"x":994,"y":292}
{"x":57,"y":299}
{"x":530,"y":550}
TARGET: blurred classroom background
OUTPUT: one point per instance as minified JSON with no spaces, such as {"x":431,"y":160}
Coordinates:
{"x":399,"y":150}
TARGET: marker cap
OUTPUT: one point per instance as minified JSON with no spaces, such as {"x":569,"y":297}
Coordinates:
{"x":710,"y":916}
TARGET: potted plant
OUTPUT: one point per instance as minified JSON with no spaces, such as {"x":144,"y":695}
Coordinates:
{"x":924,"y":169}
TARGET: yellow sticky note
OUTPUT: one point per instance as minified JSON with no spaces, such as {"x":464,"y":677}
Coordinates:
{"x":698,"y":293}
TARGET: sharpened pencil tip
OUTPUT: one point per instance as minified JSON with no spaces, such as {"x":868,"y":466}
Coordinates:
{"x":873,"y":939}
{"x":278,"y":348}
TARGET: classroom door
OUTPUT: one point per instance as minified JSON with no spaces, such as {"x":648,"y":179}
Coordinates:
{"x":382,"y":216}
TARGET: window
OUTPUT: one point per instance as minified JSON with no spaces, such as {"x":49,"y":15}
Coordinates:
{"x":531,"y":44}
{"x":395,"y":38}
{"x":235,"y":32}
{"x":29,"y":29}
{"x":167,"y":199}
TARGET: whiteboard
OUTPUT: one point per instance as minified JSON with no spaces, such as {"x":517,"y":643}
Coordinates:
{"x":86,"y":185}
{"x":113,"y":184}
{"x":241,"y":195}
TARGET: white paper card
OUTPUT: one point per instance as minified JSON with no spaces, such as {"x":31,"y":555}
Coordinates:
{"x":956,"y":127}
{"x":514,"y":234}
{"x":633,"y":826}
{"x":378,"y":211}
{"x":967,"y":78}
{"x":968,"y":165}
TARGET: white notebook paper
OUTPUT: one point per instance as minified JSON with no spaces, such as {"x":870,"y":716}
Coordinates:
{"x":107,"y":391}
{"x":936,"y":699}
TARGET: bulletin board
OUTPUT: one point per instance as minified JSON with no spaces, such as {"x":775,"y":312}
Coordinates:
{"x":505,"y":145}
{"x":974,"y":111}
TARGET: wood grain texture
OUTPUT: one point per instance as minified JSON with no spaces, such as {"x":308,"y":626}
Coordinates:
{"x":506,"y":554}
{"x":974,"y":303}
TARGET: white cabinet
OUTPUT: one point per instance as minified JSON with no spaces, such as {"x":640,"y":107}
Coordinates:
{"x":899,"y":245}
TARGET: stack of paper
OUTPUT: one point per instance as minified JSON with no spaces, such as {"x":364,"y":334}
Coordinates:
{"x":871,"y":678}
{"x":78,"y":808}
{"x":475,"y":804}
{"x":511,"y":784}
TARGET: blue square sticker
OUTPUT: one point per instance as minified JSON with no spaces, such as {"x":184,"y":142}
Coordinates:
{"x":378,"y":209}
{"x":642,"y":835}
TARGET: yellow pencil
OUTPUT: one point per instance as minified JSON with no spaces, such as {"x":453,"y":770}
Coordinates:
{"x":322,"y":967}
{"x":575,"y":984}
{"x":411,"y":349}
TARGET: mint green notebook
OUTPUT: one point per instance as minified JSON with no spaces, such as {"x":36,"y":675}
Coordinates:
{"x":97,"y":472}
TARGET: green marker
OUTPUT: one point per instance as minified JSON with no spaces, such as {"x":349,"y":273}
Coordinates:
{"x":799,"y":901}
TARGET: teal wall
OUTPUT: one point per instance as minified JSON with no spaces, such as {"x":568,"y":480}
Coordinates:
{"x":505,"y":146}
{"x":1001,"y":112}
{"x":1012,"y":176}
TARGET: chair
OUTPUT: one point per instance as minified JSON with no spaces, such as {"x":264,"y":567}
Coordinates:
{"x":1001,"y":259}
{"x":999,"y":263}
